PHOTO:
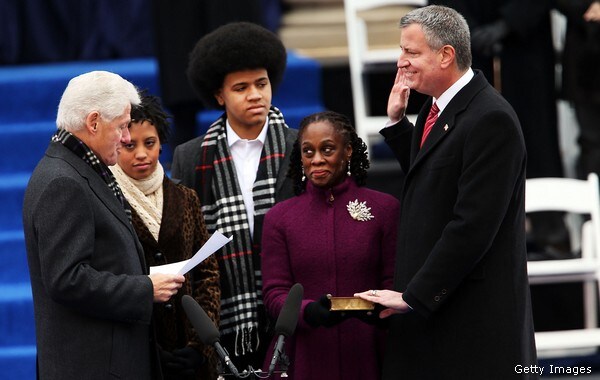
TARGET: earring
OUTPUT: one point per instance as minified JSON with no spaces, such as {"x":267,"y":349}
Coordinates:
{"x":303,"y":176}
{"x":349,"y":172}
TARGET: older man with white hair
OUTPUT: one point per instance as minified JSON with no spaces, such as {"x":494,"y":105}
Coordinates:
{"x":92,"y":295}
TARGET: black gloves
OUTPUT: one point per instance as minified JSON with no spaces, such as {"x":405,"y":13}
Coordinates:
{"x":487,"y":39}
{"x":317,"y":313}
{"x":182,"y":362}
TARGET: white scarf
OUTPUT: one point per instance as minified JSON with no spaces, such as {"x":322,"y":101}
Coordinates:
{"x":145,"y":196}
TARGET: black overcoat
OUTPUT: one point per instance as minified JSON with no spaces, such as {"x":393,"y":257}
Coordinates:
{"x":92,"y":296}
{"x":461,"y":259}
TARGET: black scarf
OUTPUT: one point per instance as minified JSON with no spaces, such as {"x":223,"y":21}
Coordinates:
{"x":86,"y":154}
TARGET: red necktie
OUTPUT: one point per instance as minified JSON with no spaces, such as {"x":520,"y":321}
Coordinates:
{"x":431,"y":118}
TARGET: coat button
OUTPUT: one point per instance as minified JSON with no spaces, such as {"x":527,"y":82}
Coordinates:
{"x":158,"y":256}
{"x":168,"y":306}
{"x":437,"y":298}
{"x":444,"y":291}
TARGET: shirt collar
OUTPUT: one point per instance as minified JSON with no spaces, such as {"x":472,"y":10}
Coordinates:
{"x":447,"y":95}
{"x":233,"y":137}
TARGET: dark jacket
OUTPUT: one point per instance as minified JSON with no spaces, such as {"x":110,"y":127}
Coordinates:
{"x":188,"y":157}
{"x":461,"y":259}
{"x":92,"y":298}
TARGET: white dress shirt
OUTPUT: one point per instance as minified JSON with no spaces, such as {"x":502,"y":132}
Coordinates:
{"x":246,"y":157}
{"x":447,"y":96}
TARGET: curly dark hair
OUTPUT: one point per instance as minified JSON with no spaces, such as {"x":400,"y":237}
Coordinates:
{"x":150,"y":109}
{"x":359,"y":160}
{"x":231,"y":48}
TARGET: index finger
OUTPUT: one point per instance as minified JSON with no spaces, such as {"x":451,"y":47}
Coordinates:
{"x":399,"y":77}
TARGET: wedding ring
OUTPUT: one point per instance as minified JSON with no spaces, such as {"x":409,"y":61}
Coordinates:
{"x":374,"y":293}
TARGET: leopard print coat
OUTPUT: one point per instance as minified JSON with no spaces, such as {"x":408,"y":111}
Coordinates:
{"x":182,"y":233}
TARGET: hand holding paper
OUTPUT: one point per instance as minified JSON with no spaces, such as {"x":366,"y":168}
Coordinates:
{"x":214,"y":243}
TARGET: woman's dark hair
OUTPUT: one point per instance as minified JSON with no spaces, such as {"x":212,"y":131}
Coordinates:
{"x":231,"y":48}
{"x":359,"y":161}
{"x":150,"y":109}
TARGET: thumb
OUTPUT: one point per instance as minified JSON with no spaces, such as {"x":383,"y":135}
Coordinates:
{"x":325,"y":301}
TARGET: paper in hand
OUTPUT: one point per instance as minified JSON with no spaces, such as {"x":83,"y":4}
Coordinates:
{"x":213,"y":244}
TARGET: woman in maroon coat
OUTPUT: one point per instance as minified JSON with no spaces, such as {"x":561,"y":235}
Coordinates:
{"x":335,"y":237}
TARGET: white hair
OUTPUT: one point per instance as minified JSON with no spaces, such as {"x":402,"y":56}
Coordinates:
{"x":101,"y":91}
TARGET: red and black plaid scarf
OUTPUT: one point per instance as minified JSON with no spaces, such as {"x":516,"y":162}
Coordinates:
{"x":242,"y":311}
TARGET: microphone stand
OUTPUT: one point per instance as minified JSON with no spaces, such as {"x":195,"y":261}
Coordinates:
{"x":284,"y":363}
{"x":251,"y":373}
{"x":286,"y":323}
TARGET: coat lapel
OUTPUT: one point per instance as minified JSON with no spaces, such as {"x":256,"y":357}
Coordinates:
{"x":445,"y":122}
{"x":99,"y":188}
{"x":290,"y":138}
{"x":173,"y":210}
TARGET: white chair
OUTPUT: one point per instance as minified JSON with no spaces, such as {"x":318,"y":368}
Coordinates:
{"x":578,"y":197}
{"x":362,"y":54}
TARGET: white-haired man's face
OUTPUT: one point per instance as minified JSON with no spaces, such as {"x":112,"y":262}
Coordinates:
{"x":109,"y":136}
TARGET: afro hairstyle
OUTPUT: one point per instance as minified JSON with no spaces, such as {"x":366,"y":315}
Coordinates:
{"x":231,"y":48}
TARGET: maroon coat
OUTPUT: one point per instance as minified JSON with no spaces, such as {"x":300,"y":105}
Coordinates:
{"x":315,"y":242}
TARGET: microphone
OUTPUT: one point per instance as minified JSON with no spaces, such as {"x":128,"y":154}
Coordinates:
{"x":206,"y":330}
{"x":286,"y":322}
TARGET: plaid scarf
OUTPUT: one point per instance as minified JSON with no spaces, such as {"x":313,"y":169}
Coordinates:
{"x":85,"y":153}
{"x":242,"y":311}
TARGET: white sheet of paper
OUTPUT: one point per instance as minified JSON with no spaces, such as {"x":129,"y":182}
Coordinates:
{"x":214,"y":243}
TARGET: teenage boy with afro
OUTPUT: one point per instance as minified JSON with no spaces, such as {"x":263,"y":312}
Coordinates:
{"x":238,"y":169}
